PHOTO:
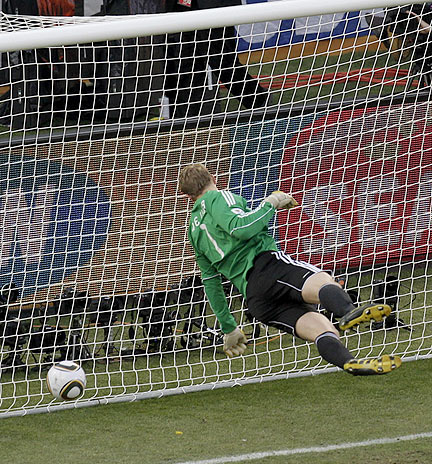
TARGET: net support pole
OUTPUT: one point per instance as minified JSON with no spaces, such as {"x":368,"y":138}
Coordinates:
{"x":147,"y":25}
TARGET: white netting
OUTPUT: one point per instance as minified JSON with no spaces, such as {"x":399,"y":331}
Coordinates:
{"x":13,"y":23}
{"x":95,"y":264}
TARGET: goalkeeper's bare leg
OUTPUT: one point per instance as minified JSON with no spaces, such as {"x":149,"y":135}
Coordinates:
{"x":317,"y":328}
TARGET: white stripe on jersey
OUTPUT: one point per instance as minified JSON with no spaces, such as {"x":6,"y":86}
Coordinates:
{"x":228,"y":197}
{"x":253,"y":222}
{"x":212,"y":240}
{"x":242,"y":213}
{"x":211,"y":277}
{"x":287,"y":259}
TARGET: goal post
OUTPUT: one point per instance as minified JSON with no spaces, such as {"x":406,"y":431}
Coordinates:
{"x":43,"y":33}
{"x":97,"y":117}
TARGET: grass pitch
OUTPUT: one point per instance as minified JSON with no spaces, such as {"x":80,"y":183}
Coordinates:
{"x":296,"y":413}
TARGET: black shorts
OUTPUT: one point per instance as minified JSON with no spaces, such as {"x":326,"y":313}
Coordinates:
{"x":273,"y":292}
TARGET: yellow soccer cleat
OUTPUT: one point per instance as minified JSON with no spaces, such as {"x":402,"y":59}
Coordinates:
{"x":364,"y":313}
{"x":373,"y":366}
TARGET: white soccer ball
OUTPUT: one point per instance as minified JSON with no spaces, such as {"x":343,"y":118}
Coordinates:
{"x":66,"y":380}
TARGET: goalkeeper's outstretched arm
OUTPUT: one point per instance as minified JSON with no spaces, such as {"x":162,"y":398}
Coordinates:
{"x":238,"y":221}
{"x":234,"y":339}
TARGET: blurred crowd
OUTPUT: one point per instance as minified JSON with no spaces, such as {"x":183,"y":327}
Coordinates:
{"x":124,"y":80}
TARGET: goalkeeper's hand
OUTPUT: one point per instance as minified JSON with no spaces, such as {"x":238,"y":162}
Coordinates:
{"x":281,"y":200}
{"x":235,"y":343}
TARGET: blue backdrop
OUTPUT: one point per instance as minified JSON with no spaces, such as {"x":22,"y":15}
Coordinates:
{"x":291,"y":31}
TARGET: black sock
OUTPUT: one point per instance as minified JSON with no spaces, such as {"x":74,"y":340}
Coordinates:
{"x":335,"y":300}
{"x":332,"y":350}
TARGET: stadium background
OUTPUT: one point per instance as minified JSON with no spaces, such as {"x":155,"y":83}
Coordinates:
{"x":119,"y":225}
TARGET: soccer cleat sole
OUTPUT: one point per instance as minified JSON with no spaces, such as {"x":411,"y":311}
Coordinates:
{"x":373,"y":366}
{"x":366,"y":313}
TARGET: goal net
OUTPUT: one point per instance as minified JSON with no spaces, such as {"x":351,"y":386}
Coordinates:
{"x":99,"y":114}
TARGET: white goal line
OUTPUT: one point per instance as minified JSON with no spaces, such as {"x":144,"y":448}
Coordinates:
{"x":312,"y":449}
{"x":122,"y":27}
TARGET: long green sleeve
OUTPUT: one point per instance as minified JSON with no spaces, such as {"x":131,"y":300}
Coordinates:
{"x":218,"y":302}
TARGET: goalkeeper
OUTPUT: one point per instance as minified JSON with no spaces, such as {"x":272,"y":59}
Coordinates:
{"x":231,"y":240}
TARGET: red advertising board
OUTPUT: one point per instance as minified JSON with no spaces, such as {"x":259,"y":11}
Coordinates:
{"x":364,"y":181}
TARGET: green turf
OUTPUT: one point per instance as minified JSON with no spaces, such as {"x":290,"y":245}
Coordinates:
{"x":303,"y":412}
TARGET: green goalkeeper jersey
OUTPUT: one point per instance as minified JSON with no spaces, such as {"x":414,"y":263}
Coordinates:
{"x":227,"y":236}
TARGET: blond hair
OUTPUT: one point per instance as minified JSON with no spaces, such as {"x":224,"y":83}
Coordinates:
{"x":194,"y":179}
